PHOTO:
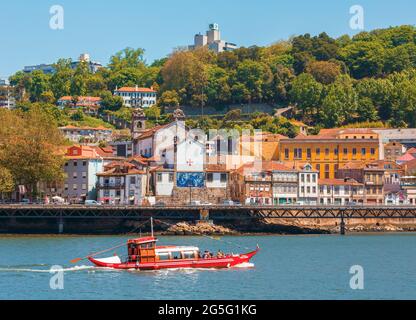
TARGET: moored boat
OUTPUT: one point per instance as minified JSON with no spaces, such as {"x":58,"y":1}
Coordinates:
{"x":144,"y":254}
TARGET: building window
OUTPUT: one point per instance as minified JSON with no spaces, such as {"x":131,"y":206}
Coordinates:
{"x":210,"y":177}
{"x":84,"y":186}
{"x":132,"y":180}
{"x":74,"y":187}
{"x":159,"y":177}
{"x":84,"y":175}
{"x":66,"y":164}
{"x":326,"y":152}
{"x":170,"y":177}
{"x":318,"y":152}
{"x":66,"y":187}
{"x":298,"y":153}
{"x":308,"y":153}
{"x":286,"y":153}
{"x":354,"y":151}
{"x":84,"y":163}
{"x":363,"y":151}
{"x":373,"y":151}
{"x":223,"y":177}
{"x":336,"y":151}
{"x":74,"y":175}
{"x":75,"y":164}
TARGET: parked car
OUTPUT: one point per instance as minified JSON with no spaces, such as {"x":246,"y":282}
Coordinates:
{"x":25,"y":201}
{"x":92,"y":203}
{"x":195,"y":203}
{"x":228,"y":203}
{"x":160,"y":204}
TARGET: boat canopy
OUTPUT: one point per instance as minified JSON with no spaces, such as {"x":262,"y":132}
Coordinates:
{"x":176,"y":249}
{"x":142,"y":240}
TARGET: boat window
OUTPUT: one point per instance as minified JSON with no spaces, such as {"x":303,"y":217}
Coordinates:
{"x":163,"y":256}
{"x":176,"y":255}
{"x":189,"y":255}
{"x":146,"y":245}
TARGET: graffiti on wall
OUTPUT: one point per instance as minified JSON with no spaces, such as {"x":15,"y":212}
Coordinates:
{"x":190,"y":179}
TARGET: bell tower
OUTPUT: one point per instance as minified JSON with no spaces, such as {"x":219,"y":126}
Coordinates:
{"x":138,"y":123}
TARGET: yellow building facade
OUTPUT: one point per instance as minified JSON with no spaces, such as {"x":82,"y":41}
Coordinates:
{"x":327,"y":153}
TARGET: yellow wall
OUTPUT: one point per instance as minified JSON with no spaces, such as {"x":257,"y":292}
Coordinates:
{"x":330,"y":159}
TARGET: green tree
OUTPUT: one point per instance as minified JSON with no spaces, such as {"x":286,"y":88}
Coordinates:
{"x":306,"y":93}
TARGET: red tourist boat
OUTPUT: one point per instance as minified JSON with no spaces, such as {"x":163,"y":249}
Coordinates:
{"x":143,"y":254}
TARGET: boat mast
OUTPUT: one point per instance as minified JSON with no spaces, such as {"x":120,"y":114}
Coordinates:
{"x":151,"y":225}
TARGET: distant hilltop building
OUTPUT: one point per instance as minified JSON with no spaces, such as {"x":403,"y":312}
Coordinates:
{"x":137,"y":97}
{"x":49,"y":69}
{"x":212,"y":40}
{"x":7,"y":99}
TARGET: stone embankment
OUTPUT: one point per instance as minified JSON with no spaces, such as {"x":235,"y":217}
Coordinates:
{"x":184,"y":228}
{"x":292,"y":226}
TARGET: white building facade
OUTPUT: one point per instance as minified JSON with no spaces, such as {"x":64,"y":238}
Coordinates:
{"x":137,"y":97}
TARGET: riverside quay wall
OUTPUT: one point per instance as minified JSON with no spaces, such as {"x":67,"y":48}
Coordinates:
{"x":27,"y":219}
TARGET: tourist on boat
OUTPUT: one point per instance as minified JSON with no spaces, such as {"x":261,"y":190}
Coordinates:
{"x":207,"y":254}
{"x":220,"y":254}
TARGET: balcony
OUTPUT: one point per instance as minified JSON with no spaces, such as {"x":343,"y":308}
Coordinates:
{"x":111,"y":185}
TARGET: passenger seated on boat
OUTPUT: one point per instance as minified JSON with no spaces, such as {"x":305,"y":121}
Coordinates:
{"x":220,"y":254}
{"x":207,"y":254}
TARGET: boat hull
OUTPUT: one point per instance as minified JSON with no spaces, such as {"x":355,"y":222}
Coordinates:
{"x":219,"y":263}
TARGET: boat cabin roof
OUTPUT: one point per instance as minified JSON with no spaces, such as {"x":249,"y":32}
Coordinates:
{"x":168,"y":249}
{"x":142,"y":240}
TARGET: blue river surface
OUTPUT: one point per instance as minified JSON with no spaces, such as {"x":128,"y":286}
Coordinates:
{"x":287,"y":267}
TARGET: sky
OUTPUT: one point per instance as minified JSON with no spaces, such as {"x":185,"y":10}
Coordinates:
{"x":103,"y":27}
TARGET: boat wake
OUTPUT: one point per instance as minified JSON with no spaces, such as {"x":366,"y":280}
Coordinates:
{"x":28,"y":269}
{"x":244,"y":265}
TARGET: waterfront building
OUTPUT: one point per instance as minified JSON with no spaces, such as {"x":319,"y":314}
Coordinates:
{"x":121,"y":183}
{"x":372,"y":175}
{"x":81,"y":168}
{"x":340,"y":191}
{"x":253,"y":183}
{"x":308,"y":185}
{"x":285,"y":186}
{"x":217,"y":183}
{"x":137,"y":97}
{"x":330,"y":150}
{"x":93,"y":66}
{"x":212,"y":40}
{"x":408,"y":184}
{"x":86,"y":135}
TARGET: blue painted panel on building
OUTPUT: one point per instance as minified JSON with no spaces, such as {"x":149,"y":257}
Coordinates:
{"x":190,"y":179}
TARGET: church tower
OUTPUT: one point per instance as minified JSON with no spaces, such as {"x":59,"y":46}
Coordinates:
{"x":138,"y":123}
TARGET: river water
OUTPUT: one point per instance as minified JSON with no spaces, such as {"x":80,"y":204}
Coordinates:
{"x":287,"y":267}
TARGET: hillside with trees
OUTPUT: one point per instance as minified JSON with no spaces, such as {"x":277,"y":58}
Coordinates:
{"x":368,"y":78}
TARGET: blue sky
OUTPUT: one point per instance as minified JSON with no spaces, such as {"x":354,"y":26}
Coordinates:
{"x":102,"y":27}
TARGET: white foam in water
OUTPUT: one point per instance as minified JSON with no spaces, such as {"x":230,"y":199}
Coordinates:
{"x":244,"y":265}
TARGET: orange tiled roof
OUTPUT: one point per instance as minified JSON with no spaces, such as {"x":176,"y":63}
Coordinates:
{"x":88,"y":152}
{"x":216,"y":168}
{"x":150,"y":132}
{"x":134,"y":89}
{"x":81,"y":98}
{"x":263,"y":166}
